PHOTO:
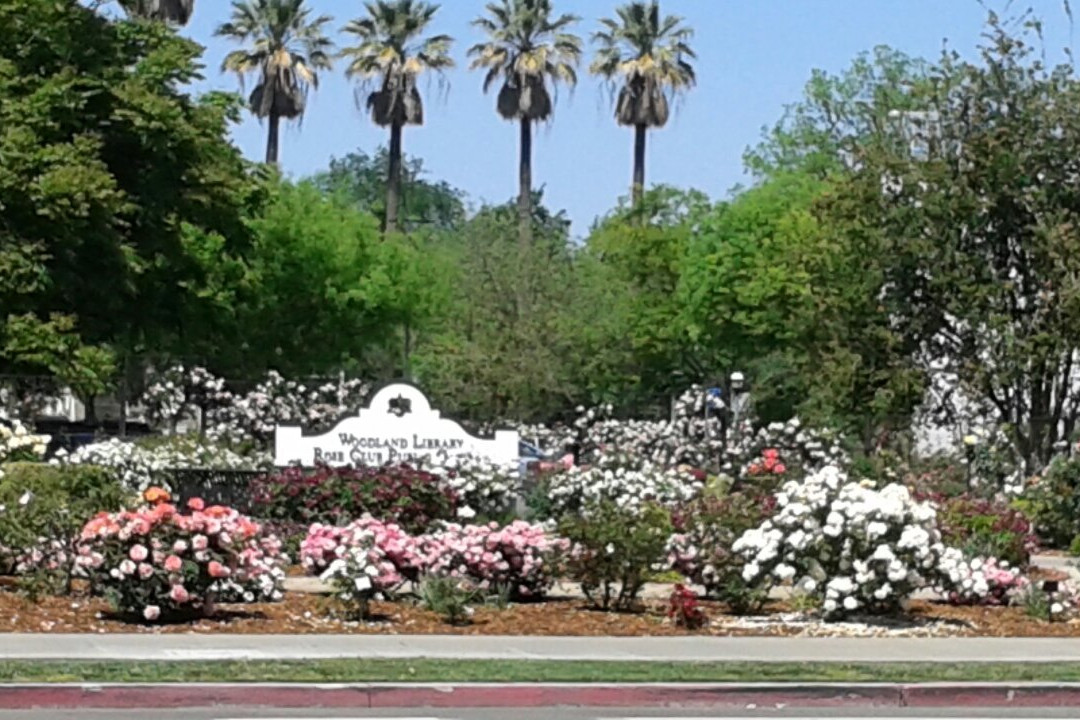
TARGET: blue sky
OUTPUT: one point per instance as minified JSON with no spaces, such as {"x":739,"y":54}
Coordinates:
{"x":754,"y":57}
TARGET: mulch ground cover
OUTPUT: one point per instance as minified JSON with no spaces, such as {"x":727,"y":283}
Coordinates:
{"x":312,"y":614}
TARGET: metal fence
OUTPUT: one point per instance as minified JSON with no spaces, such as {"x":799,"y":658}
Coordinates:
{"x":231,"y":488}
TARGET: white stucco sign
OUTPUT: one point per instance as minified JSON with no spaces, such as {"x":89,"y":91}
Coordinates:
{"x":398,"y":426}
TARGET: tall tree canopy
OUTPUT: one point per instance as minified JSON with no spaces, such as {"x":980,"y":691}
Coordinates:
{"x":648,"y":57}
{"x":286,"y":48}
{"x":391,"y":55}
{"x":973,"y":203}
{"x":822,"y":132}
{"x":109,"y":173}
{"x":528,"y":47}
{"x":425,"y":204}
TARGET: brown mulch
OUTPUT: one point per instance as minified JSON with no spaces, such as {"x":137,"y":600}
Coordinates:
{"x":312,"y":614}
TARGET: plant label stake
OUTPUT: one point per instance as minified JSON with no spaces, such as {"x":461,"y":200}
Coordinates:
{"x":1050,"y":587}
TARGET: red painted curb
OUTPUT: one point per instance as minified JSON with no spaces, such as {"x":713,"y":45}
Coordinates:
{"x":634,"y":696}
{"x":990,"y":696}
{"x":28,"y":697}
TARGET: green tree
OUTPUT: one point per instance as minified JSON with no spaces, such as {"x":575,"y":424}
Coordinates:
{"x":769,"y":290}
{"x":173,"y":11}
{"x":977,"y":221}
{"x":109,"y":168}
{"x":821,"y":133}
{"x":287,"y":48}
{"x":308,"y":301}
{"x":527,"y":47}
{"x":425,"y":204}
{"x":499,"y":348}
{"x":643,"y":248}
{"x":649,"y":58}
{"x":391,"y":56}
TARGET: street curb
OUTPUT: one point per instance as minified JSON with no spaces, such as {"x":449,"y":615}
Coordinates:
{"x":421,"y":695}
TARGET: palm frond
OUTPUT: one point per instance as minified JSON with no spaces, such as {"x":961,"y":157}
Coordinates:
{"x":286,"y":48}
{"x":392,"y":53}
{"x":529,"y":47}
{"x":171,"y":11}
{"x":648,"y":55}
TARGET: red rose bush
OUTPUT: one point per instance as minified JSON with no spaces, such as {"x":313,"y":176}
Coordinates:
{"x":160,"y":562}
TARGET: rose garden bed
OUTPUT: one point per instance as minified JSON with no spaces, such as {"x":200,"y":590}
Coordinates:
{"x":300,"y":613}
{"x":413,"y":550}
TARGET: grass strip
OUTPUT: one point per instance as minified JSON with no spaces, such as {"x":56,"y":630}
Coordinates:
{"x":357,"y":671}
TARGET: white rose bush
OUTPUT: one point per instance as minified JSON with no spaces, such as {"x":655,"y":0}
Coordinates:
{"x":978,"y":581}
{"x":482,"y":487}
{"x":850,"y":546}
{"x":627,"y":482}
{"x":252,"y":417}
{"x":19,"y":444}
{"x":139,"y":467}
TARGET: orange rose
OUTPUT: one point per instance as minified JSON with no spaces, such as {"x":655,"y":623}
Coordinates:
{"x":156,"y":495}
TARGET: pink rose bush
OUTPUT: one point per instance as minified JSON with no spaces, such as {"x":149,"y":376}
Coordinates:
{"x":326,"y":543}
{"x":520,"y":559}
{"x":978,"y":581}
{"x":160,"y":562}
{"x":369,"y":558}
{"x":360,"y":569}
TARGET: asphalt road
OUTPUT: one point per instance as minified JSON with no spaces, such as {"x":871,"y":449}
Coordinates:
{"x":543,"y":714}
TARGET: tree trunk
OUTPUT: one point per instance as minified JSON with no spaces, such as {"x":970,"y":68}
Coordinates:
{"x":272,"y":139}
{"x":406,"y":360}
{"x":393,"y":183}
{"x":123,"y":391}
{"x":638,"y":189}
{"x":525,"y":184}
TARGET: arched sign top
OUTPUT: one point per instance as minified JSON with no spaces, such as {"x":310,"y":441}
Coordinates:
{"x":398,"y":425}
{"x":400,"y":400}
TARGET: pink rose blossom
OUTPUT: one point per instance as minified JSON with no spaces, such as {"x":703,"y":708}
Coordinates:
{"x":173,"y":563}
{"x":179,"y":594}
{"x":151,"y":613}
{"x":139,"y":553}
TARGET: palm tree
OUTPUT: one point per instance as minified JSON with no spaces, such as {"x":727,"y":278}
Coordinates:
{"x":649,"y":56}
{"x":286,"y":47}
{"x":526,"y":47}
{"x":172,"y":11}
{"x":389,"y":59}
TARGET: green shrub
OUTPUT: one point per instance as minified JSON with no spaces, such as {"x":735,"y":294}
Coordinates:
{"x":44,"y":509}
{"x":452,"y":598}
{"x":615,"y":549}
{"x":936,"y":476}
{"x":987,"y":528}
{"x":701,"y":548}
{"x":1053,"y":501}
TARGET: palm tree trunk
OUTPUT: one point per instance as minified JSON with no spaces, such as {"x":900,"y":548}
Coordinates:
{"x":638,"y":189}
{"x":525,"y":184}
{"x":272,"y":139}
{"x":393,"y":184}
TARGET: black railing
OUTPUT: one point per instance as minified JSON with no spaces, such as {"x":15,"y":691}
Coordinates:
{"x":231,"y":488}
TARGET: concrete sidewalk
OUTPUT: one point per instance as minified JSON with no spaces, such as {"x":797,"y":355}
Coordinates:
{"x":727,"y":649}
